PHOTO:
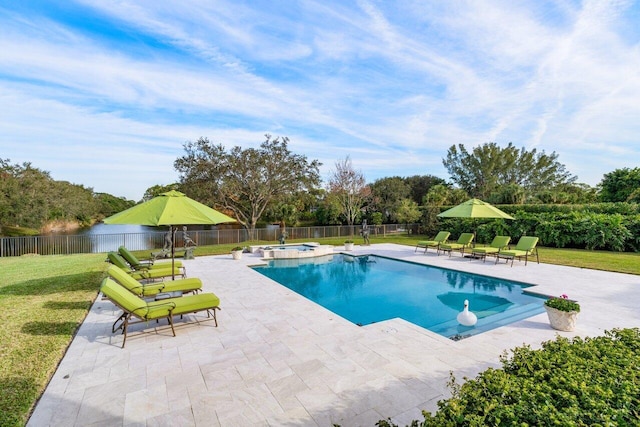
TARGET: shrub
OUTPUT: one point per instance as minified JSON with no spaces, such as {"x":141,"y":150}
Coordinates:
{"x":591,"y":381}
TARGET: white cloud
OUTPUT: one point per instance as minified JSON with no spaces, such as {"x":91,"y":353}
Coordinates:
{"x":391,"y":84}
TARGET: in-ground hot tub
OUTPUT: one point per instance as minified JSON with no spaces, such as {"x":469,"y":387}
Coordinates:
{"x":293,"y":250}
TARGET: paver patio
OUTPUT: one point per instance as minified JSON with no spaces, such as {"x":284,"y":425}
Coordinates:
{"x":278,"y":359}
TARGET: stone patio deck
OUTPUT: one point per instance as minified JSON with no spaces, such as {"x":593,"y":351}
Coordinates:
{"x":278,"y":359}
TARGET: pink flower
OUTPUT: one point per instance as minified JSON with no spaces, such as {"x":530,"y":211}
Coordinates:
{"x":565,"y":296}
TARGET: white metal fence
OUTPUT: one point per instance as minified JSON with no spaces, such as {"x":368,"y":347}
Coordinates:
{"x":97,"y":243}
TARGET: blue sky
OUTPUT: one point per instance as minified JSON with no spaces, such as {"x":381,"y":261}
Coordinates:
{"x":104,"y":93}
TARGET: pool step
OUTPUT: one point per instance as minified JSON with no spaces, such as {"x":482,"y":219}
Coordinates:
{"x":496,"y":320}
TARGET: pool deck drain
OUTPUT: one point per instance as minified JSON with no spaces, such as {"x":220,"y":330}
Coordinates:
{"x":279,"y":359}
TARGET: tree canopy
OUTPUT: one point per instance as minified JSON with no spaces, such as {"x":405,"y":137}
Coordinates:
{"x":350,"y":189}
{"x":619,"y":185}
{"x":488,"y":168}
{"x":30,"y":198}
{"x":420,"y":185}
{"x":244,"y":181}
{"x":387,"y":195}
{"x":156,"y":190}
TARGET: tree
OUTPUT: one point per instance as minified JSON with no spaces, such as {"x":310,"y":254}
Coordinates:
{"x":386,"y":196}
{"x":510,"y":194}
{"x":408,"y":212}
{"x":244,"y":181}
{"x":25,"y":195}
{"x":575,"y":193}
{"x":30,"y":198}
{"x":156,"y":190}
{"x":72,"y":202}
{"x":438,"y":195}
{"x":109,"y":205}
{"x":349,"y":187}
{"x":489,"y":167}
{"x":419,"y":185}
{"x":284,"y":212}
{"x":618,"y":185}
{"x":635,"y":196}
{"x":328,"y":210}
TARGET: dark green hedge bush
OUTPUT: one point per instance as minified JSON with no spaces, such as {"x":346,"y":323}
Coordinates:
{"x":621,"y":208}
{"x":579,"y":382}
{"x":584,"y":230}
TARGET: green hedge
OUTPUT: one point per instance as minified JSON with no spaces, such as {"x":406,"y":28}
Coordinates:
{"x":579,"y":382}
{"x":602,"y":208}
{"x":579,"y":229}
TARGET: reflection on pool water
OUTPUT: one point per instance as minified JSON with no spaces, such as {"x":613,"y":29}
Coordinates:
{"x":367,"y":289}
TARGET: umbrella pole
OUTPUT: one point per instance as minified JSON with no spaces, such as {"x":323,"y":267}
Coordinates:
{"x":173,"y":252}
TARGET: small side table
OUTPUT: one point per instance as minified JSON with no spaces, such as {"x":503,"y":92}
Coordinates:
{"x":167,"y":295}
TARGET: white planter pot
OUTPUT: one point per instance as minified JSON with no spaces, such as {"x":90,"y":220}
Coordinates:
{"x":236,"y":254}
{"x":348,"y":246}
{"x":562,"y":320}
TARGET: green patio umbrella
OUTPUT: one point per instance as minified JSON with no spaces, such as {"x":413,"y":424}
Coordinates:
{"x":172,"y":208}
{"x":474,"y":208}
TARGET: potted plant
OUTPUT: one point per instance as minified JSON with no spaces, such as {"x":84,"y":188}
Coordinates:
{"x":236,"y":252}
{"x":562,"y":312}
{"x":348,"y":245}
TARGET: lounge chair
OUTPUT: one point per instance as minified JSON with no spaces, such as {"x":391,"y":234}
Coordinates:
{"x":137,"y":264}
{"x":158,"y":273}
{"x":133,"y":306}
{"x":461,"y":244}
{"x":498,"y":244}
{"x":181,"y":286}
{"x":440,"y":238}
{"x":526,"y":246}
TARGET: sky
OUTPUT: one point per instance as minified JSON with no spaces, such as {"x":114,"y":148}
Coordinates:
{"x":105,"y":93}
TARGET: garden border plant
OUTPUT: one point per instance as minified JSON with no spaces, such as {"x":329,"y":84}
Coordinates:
{"x":590,"y":381}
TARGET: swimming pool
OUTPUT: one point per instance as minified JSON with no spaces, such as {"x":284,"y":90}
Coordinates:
{"x":368,"y":288}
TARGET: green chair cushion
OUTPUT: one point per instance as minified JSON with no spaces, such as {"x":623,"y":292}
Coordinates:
{"x":157,"y":309}
{"x":441,"y":237}
{"x":464,"y":240}
{"x":191,"y":303}
{"x":151,"y":289}
{"x":132,"y":303}
{"x":485,"y":250}
{"x":137,"y":264}
{"x":498,"y":243}
{"x":514,"y":253}
{"x":526,"y":243}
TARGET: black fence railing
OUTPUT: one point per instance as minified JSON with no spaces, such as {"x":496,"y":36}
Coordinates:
{"x":97,"y":243}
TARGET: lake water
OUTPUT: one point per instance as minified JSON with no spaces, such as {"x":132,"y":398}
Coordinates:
{"x":108,"y":237}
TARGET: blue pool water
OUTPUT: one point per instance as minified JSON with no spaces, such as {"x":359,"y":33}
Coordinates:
{"x":368,"y":289}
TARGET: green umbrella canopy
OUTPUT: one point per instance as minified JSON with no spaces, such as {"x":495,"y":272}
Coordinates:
{"x":474,"y":208}
{"x":170,"y":208}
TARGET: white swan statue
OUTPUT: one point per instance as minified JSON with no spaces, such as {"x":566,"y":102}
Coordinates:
{"x":465,"y":317}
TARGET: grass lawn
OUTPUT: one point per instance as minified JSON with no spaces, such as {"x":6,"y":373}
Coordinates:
{"x":44,"y":299}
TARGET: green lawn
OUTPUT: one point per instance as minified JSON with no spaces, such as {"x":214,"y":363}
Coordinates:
{"x":44,"y":299}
